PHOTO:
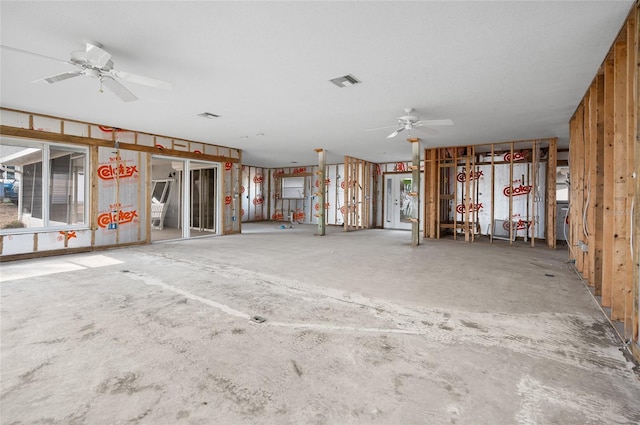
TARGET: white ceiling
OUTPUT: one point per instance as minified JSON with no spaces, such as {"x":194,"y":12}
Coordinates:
{"x":500,"y":70}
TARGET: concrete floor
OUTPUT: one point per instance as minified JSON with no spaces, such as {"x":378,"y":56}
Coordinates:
{"x":361,"y":328}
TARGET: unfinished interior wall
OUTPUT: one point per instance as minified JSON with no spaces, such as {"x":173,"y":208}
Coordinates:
{"x":348,"y":199}
{"x":116,"y":183}
{"x":232,"y":209}
{"x":604,"y":215}
{"x":357,"y":211}
{"x":292,"y":204}
{"x":121,"y":213}
{"x":254,"y":193}
{"x":500,"y":190}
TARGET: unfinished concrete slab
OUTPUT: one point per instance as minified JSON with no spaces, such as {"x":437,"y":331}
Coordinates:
{"x":360,"y":328}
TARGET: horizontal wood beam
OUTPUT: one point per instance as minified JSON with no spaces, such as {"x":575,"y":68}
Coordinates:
{"x":25,"y":133}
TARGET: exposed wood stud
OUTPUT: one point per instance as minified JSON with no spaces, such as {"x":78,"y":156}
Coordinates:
{"x":493,"y":193}
{"x":619,"y":189}
{"x":608,"y":219}
{"x":599,"y":188}
{"x":511,"y":194}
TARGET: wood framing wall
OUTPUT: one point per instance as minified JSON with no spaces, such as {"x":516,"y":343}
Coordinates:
{"x":468,"y":189}
{"x":604,"y":162}
{"x":357,"y":194}
{"x":124,"y":194}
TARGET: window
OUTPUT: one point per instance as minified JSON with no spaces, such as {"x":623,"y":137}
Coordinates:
{"x":292,"y":188}
{"x":44,"y":185}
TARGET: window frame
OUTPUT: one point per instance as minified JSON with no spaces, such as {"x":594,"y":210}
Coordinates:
{"x":46,"y":181}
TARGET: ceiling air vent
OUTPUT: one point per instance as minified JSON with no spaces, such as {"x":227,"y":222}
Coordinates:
{"x":208,"y":115}
{"x":346,"y":81}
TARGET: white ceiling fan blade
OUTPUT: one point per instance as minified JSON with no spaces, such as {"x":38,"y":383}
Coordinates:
{"x":59,"y":77}
{"x":427,"y":130}
{"x":118,"y":89}
{"x":395,"y":133}
{"x":434,"y":122}
{"x":381,"y":128}
{"x":139,"y":79}
{"x":14,"y":49}
{"x":96,"y":56}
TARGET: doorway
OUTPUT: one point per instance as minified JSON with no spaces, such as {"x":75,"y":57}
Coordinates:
{"x":399,"y":205}
{"x":203,"y":198}
{"x":185,"y":198}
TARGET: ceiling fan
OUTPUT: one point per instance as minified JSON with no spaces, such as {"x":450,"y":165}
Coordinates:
{"x":95,"y":62}
{"x":409,"y":122}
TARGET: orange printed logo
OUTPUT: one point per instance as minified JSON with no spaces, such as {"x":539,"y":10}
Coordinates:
{"x":119,"y":217}
{"x":108,"y":172}
{"x":517,"y":225}
{"x":474,"y":208}
{"x":70,"y":235}
{"x":517,"y":156}
{"x":517,"y":191}
{"x":462,"y":176}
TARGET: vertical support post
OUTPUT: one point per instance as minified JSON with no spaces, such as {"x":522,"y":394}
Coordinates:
{"x":599,"y":187}
{"x":534,"y":192}
{"x":415,"y":191}
{"x":451,"y":179}
{"x":633,"y":277}
{"x":577,"y":184}
{"x":552,"y":163}
{"x":608,"y":216}
{"x":493,"y":193}
{"x":147,"y":200}
{"x":345,"y":195}
{"x":474,"y":193}
{"x":511,"y":195}
{"x":620,"y":191}
{"x":591,"y":179}
{"x":439,"y":157}
{"x":430,"y":192}
{"x":94,"y":193}
{"x":322,"y":168}
{"x":635,"y":209}
{"x":466,"y":199}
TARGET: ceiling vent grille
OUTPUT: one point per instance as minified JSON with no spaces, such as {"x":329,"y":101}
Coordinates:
{"x":345,"y":81}
{"x":208,"y":115}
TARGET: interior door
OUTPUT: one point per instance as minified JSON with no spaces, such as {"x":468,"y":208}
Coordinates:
{"x":203,"y":199}
{"x":398,"y":209}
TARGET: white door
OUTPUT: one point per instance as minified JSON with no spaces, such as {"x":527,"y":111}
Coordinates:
{"x":399,"y":205}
